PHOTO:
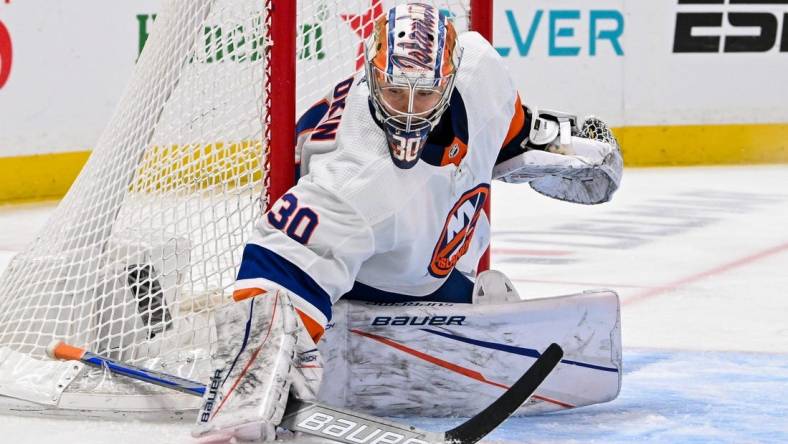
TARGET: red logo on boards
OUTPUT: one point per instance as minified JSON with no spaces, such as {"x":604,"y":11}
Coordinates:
{"x":363,"y":25}
{"x":6,"y":54}
{"x":457,"y":233}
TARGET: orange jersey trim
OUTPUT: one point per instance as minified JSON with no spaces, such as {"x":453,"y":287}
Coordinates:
{"x":246,"y":293}
{"x":518,"y":121}
{"x":455,"y":152}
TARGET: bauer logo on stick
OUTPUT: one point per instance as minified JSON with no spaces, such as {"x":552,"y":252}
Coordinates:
{"x":326,"y":425}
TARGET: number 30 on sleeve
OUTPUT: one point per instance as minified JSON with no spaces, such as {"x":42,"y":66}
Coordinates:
{"x":297,"y":223}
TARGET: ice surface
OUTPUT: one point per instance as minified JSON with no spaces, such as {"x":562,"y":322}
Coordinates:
{"x":675,"y":397}
{"x":700,"y":259}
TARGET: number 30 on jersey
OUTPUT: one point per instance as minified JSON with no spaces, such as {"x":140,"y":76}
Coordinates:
{"x":297,"y":222}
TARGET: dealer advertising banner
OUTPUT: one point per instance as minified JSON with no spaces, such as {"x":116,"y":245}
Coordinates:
{"x":659,"y":63}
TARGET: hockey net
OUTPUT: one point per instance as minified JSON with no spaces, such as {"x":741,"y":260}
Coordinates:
{"x":148,"y":240}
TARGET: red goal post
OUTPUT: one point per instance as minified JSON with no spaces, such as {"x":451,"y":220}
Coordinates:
{"x":482,"y":22}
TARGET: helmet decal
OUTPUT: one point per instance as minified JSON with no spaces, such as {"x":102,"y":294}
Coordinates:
{"x":411,"y":64}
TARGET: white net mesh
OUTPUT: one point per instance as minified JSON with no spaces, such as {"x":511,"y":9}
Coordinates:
{"x":148,"y":240}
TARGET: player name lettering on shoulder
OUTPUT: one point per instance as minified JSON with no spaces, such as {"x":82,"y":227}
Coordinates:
{"x":327,"y":129}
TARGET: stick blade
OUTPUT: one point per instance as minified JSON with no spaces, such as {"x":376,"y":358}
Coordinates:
{"x":349,"y":427}
{"x":490,"y":418}
{"x":58,"y":349}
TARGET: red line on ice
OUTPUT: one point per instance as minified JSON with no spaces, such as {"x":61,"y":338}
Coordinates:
{"x":530,"y":252}
{"x":656,"y":291}
{"x":586,"y":284}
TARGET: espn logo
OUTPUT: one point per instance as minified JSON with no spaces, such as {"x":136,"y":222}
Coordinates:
{"x":352,"y":431}
{"x":756,"y":25}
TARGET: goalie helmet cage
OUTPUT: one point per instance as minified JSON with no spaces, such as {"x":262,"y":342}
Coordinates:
{"x":147,"y":241}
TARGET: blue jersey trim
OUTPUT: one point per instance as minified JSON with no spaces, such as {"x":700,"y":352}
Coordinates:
{"x":456,"y":289}
{"x":311,"y":117}
{"x":260,"y":262}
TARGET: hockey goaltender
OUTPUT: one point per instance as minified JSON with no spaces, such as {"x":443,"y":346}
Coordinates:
{"x":395,"y":168}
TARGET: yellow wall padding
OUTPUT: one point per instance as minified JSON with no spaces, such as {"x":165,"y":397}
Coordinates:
{"x":687,"y":145}
{"x":39,"y":177}
{"x":48,"y":176}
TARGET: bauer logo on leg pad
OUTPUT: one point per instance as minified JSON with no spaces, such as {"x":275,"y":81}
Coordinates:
{"x":418,"y":320}
{"x":210,"y":399}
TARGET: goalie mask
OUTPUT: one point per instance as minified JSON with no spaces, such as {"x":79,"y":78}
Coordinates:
{"x":411,"y":64}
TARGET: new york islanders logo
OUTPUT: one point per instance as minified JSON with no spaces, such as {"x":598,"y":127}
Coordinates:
{"x":457,"y":233}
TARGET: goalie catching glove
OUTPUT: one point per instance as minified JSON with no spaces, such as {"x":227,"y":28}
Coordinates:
{"x":560,"y":160}
{"x":261,"y":341}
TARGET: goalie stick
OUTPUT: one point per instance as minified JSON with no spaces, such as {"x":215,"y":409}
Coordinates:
{"x":343,"y":425}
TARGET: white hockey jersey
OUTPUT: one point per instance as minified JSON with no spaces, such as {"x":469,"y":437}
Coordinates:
{"x":356,"y":226}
